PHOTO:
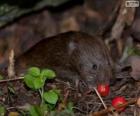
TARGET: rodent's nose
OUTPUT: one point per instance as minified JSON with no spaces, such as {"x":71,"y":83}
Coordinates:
{"x":91,"y":81}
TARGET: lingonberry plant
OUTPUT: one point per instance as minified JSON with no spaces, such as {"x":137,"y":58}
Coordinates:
{"x":35,"y":79}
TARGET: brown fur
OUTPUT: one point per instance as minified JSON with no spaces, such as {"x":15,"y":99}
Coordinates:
{"x":72,"y":55}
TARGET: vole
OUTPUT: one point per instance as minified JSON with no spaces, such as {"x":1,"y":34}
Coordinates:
{"x":73,"y":56}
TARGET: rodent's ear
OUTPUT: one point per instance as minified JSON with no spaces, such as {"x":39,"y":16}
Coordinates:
{"x":72,"y":46}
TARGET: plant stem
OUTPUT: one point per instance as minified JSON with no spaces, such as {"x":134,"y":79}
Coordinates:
{"x":41,"y":91}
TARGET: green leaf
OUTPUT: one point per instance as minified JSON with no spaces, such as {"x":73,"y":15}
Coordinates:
{"x":44,"y":109}
{"x":47,"y":73}
{"x":38,"y":83}
{"x":133,"y":51}
{"x":34,"y":111}
{"x":2,"y":110}
{"x":70,"y":106}
{"x":64,"y":112}
{"x":51,"y":107}
{"x":57,"y":91}
{"x":1,"y":77}
{"x":34,"y":71}
{"x":29,"y":81}
{"x":51,"y":97}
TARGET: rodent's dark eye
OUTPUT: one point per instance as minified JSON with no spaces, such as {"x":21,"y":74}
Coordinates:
{"x":94,"y":66}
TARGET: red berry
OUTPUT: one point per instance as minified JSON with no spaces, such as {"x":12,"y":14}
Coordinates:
{"x":103,"y":90}
{"x":118,"y":101}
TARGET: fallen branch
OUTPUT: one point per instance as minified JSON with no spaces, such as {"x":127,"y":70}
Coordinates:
{"x":13,"y":79}
{"x":125,"y":17}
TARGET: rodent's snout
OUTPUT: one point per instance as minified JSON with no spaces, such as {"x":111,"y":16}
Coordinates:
{"x":101,"y":77}
{"x":91,"y":81}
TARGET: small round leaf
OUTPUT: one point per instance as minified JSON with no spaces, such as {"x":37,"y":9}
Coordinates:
{"x":28,"y":79}
{"x":47,"y":73}
{"x":38,"y":83}
{"x":34,"y":71}
{"x":51,"y":97}
{"x":34,"y":110}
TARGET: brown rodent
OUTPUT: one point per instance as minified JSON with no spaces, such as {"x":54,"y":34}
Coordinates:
{"x":73,"y":55}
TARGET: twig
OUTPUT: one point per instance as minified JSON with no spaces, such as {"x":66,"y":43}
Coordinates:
{"x":110,"y":109}
{"x":64,"y":102}
{"x":13,"y":79}
{"x":11,"y":108}
{"x":100,"y":98}
{"x":24,"y":107}
{"x":11,"y":69}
